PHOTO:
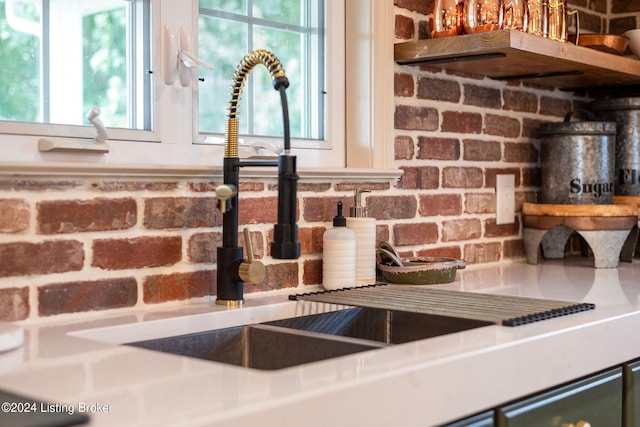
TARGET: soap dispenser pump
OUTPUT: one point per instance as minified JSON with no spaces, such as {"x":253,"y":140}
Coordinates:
{"x":338,"y":254}
{"x":365,"y":229}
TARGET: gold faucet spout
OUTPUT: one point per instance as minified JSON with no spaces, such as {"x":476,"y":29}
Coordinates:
{"x":253,"y":58}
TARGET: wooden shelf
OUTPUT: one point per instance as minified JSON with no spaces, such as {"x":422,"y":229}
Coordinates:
{"x":514,"y":55}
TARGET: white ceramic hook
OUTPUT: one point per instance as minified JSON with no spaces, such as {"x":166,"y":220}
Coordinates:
{"x":180,"y":61}
{"x":169,"y":55}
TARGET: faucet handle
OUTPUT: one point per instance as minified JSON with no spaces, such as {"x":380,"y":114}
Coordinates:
{"x":250,"y":270}
{"x":223,"y":193}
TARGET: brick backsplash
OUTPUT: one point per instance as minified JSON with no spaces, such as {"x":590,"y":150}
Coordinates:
{"x":77,"y":245}
{"x":87,"y":245}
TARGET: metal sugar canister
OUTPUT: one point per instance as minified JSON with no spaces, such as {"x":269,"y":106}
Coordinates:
{"x":626,"y":113}
{"x":577,"y":160}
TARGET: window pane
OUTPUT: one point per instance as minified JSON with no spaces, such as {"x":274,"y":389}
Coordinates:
{"x":104,"y":64}
{"x":59,"y":63}
{"x":286,"y":46}
{"x":221,"y":42}
{"x":234,"y":6}
{"x":20,"y":59}
{"x":287,"y":11}
{"x":281,"y":27}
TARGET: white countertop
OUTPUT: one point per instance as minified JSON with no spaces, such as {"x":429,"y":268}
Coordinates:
{"x":423,"y":383}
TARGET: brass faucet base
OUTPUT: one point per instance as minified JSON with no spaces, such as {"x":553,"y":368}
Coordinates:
{"x":230,"y":303}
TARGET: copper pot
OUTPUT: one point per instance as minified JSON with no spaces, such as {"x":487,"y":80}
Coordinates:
{"x":446,"y":18}
{"x":610,"y":43}
{"x":481,"y":15}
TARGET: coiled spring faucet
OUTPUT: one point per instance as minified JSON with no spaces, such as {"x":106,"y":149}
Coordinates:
{"x":233,"y":271}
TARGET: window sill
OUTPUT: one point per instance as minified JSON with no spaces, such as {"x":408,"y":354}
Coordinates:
{"x":163,"y":171}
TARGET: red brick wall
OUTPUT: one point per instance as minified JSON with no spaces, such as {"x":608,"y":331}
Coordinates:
{"x":593,"y":15}
{"x":623,"y":15}
{"x":607,"y":16}
{"x":454,"y":133}
{"x":75,"y":245}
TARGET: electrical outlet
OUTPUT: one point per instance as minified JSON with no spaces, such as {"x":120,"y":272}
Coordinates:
{"x":505,"y":199}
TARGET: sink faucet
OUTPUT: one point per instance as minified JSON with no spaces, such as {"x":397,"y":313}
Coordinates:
{"x":233,"y":271}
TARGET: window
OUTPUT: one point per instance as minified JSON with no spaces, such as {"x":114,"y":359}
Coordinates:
{"x":62,"y":57}
{"x":162,"y":119}
{"x":294,"y":31}
{"x":227,"y":31}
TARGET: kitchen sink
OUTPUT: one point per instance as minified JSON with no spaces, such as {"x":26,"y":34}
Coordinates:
{"x":299,"y":340}
{"x":258,"y":346}
{"x":387,"y":326}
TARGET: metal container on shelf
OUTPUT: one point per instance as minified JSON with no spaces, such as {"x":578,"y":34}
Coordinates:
{"x":445,"y":18}
{"x":482,"y":15}
{"x":577,"y":160}
{"x":626,"y":113}
{"x":514,"y":15}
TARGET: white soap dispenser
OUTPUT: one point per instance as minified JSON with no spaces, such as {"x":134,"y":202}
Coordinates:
{"x":338,"y":254}
{"x":365,"y":229}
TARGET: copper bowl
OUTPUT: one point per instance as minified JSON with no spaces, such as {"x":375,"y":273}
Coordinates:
{"x":610,"y":43}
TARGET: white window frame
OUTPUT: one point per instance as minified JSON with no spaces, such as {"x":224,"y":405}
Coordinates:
{"x":367,"y":124}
